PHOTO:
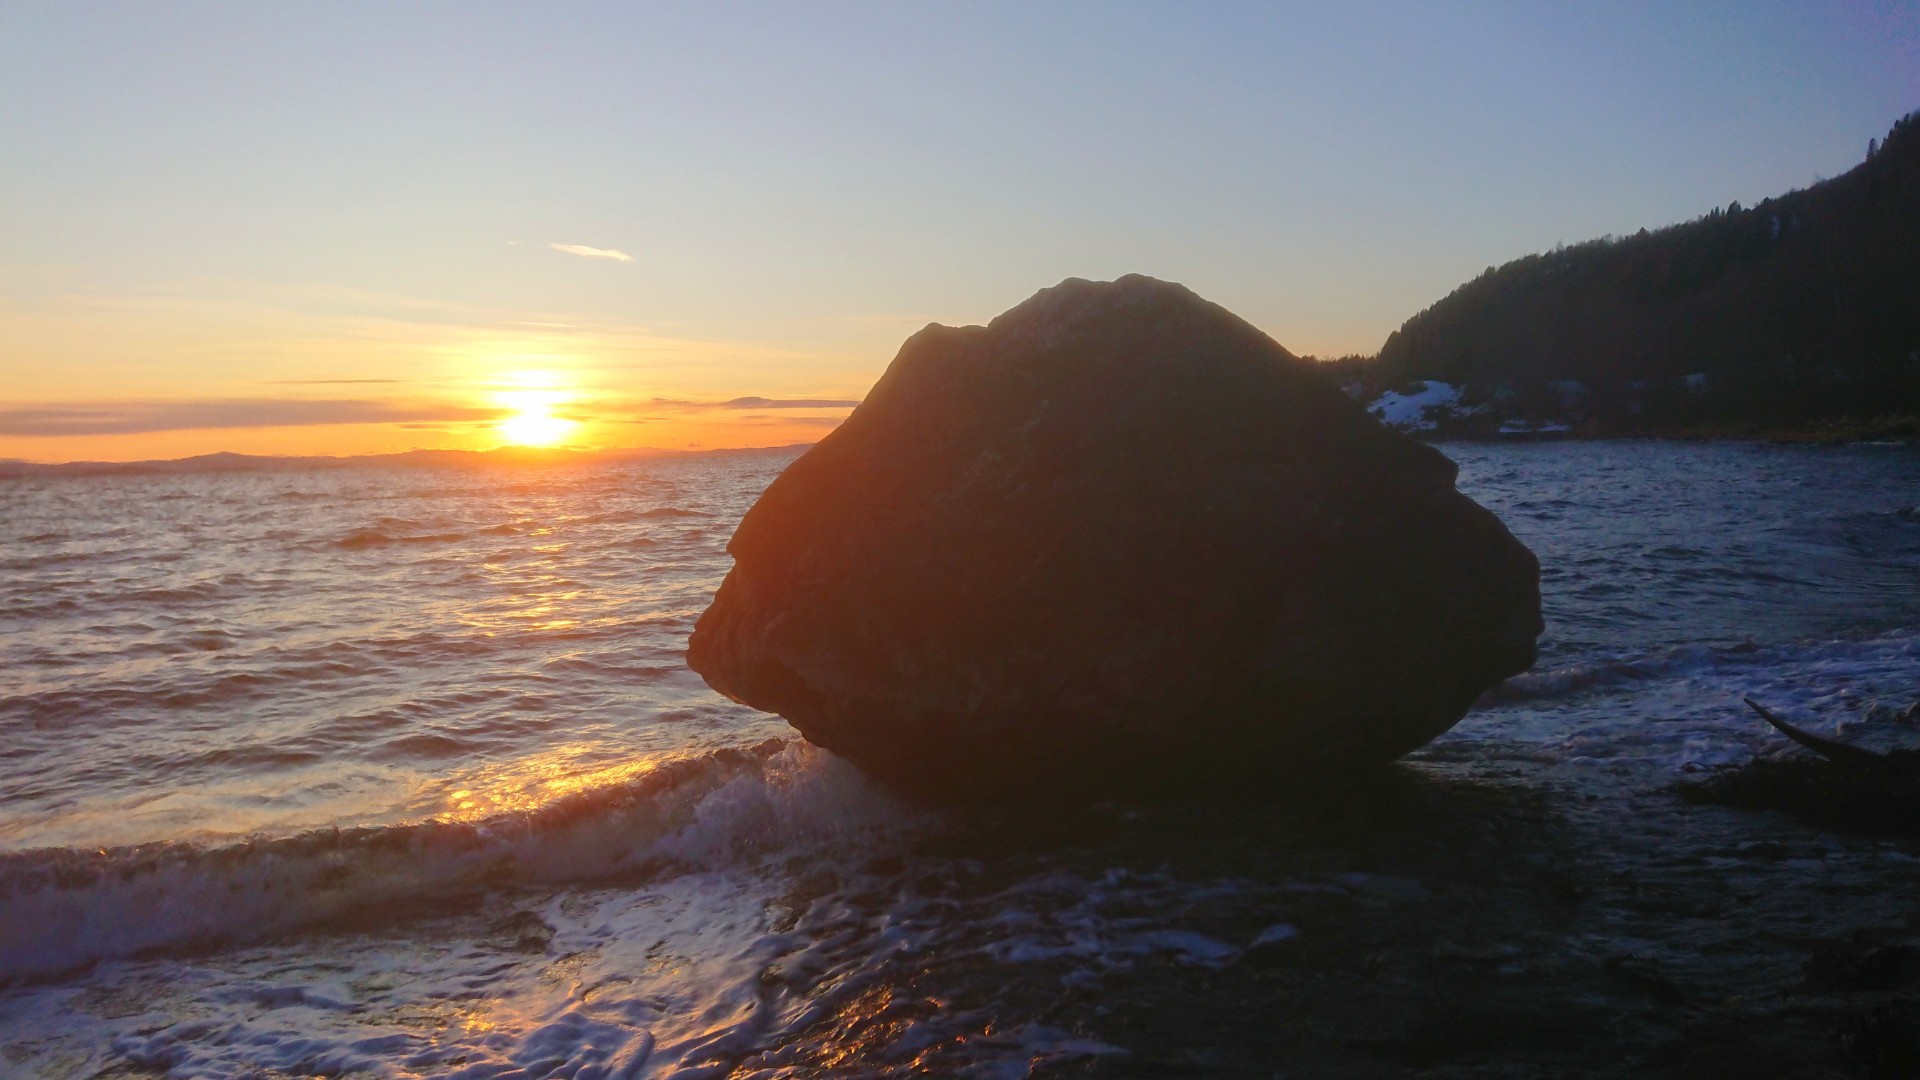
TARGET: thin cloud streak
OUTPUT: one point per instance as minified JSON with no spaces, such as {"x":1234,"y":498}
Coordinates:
{"x":757,"y":403}
{"x":329,"y":382}
{"x":786,"y":403}
{"x":787,"y":421}
{"x":141,"y":417}
{"x":586,"y":252}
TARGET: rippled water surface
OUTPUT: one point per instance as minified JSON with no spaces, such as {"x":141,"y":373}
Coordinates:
{"x":219,"y":654}
{"x":400,"y":773}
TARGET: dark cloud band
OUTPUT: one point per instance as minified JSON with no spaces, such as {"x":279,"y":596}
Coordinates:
{"x":128,"y":418}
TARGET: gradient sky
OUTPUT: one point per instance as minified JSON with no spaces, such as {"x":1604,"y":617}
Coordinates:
{"x":345,"y":228}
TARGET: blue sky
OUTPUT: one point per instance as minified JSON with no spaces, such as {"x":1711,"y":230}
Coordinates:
{"x":202,"y":202}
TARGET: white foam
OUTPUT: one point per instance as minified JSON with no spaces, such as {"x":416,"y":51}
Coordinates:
{"x":61,"y":910}
{"x":1682,"y":709}
{"x":740,"y":966}
{"x":1274,"y":934}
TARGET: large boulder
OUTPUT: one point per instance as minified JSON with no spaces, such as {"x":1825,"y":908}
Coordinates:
{"x":1117,"y":538}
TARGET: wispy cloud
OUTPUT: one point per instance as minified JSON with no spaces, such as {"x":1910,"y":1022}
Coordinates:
{"x":329,"y":382}
{"x":789,"y":421}
{"x":758,"y":403}
{"x":786,"y":403}
{"x":139,"y":417}
{"x":586,"y":252}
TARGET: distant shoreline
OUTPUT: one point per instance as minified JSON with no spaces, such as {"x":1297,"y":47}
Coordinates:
{"x":260,"y":463}
{"x":1843,"y":432}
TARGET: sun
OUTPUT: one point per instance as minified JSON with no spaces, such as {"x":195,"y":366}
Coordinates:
{"x":533,"y":396}
{"x":535,"y":429}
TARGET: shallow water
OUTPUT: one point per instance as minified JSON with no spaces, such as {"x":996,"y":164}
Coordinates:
{"x":400,"y":773}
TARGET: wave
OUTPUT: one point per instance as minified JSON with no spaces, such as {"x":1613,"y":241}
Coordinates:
{"x":1838,"y":659}
{"x":367,"y":538}
{"x":629,"y":516}
{"x":1681,"y":708}
{"x":24,"y":563}
{"x":1604,"y":675}
{"x":69,"y":703}
{"x":203,"y":590}
{"x":64,"y":909}
{"x":24,"y":611}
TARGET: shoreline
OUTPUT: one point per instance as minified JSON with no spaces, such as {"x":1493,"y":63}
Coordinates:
{"x":1900,"y":430}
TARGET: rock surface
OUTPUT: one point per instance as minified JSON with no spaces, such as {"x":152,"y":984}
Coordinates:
{"x":1116,"y":539}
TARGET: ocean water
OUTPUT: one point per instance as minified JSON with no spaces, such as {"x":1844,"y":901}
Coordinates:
{"x":400,"y":773}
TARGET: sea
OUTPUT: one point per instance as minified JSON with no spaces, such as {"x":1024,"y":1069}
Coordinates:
{"x":400,"y":772}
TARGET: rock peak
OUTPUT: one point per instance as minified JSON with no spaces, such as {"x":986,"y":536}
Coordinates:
{"x":1062,"y":311}
{"x":1076,"y":300}
{"x":1079,"y":292}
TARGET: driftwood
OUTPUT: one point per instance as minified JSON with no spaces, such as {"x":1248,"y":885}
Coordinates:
{"x":1850,"y":757}
{"x":1845,"y":787}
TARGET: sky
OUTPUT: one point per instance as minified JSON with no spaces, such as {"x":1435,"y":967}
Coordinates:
{"x":343,"y":228}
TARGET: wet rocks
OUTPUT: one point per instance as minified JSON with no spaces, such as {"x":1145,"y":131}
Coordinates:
{"x":1838,"y":786}
{"x":1882,"y":802}
{"x":1116,"y":538}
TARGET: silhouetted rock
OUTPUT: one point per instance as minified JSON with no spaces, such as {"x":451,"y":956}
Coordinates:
{"x":1118,"y":537}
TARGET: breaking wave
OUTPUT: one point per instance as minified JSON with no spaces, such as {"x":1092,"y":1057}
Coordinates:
{"x":1602,"y":676}
{"x":62,"y":909}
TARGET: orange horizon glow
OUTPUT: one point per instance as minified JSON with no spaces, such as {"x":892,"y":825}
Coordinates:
{"x":313,"y":372}
{"x":548,"y":407}
{"x":374,"y":439}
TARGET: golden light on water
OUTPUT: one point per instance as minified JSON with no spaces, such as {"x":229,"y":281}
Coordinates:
{"x":540,"y":780}
{"x":534,"y":397}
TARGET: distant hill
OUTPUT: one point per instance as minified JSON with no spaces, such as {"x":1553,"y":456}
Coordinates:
{"x":252,"y":463}
{"x":1804,"y":307}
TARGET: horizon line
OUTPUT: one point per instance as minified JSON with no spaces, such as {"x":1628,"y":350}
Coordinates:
{"x":231,"y":460}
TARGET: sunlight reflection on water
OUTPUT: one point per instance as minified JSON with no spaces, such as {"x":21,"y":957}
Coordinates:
{"x":301,"y":649}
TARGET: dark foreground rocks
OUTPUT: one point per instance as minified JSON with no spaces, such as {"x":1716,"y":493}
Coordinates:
{"x":1837,"y":785}
{"x":1818,"y":792}
{"x":1118,"y":538}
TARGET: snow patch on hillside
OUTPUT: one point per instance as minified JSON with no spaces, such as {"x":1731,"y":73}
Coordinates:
{"x":1415,"y":411}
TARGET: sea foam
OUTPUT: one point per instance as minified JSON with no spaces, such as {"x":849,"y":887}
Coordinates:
{"x":61,"y":909}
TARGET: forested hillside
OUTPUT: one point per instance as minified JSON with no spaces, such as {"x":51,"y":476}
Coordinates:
{"x":1804,"y":307}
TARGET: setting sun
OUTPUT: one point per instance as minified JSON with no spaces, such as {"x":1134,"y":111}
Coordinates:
{"x":533,"y":399}
{"x":535,"y":429}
